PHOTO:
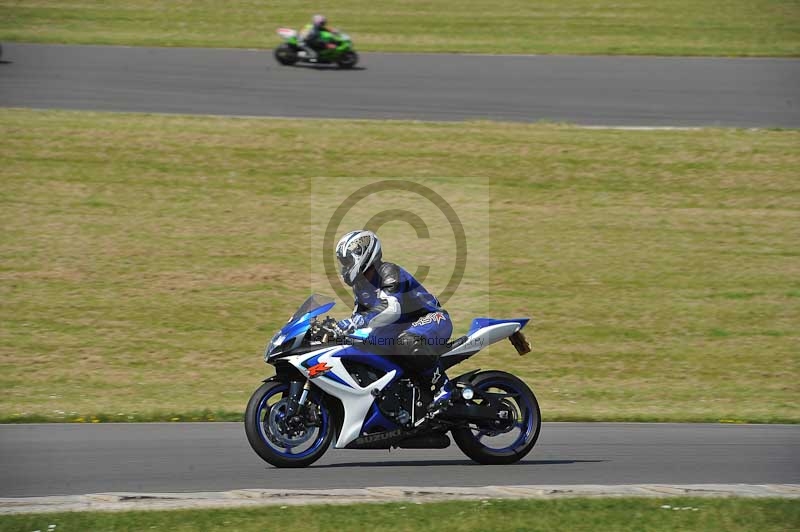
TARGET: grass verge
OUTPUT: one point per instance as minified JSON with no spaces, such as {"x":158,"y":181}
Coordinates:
{"x":649,"y":27}
{"x":732,"y":515}
{"x":145,"y":260}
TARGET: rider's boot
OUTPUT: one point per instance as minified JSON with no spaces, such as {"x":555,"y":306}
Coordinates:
{"x":442,"y":390}
{"x":312,"y":54}
{"x":442,"y":393}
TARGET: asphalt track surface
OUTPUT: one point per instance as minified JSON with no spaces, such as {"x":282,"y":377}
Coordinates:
{"x":39,"y":460}
{"x":608,"y":91}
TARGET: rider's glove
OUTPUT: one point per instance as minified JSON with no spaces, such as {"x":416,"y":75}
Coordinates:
{"x":351,"y":324}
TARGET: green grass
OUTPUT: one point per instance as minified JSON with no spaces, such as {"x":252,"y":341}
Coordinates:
{"x":648,"y":27}
{"x":690,"y":514}
{"x":145,"y":260}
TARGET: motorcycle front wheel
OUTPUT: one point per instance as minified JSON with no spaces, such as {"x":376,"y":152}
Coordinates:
{"x":285,"y":54}
{"x":284,"y":441}
{"x":493,"y":446}
{"x":347,"y":59}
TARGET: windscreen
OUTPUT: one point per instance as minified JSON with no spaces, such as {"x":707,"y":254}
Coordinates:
{"x":314,"y":302}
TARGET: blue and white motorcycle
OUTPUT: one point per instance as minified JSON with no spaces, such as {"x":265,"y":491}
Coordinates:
{"x":344,"y":389}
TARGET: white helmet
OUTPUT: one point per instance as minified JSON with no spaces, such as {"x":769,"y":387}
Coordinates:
{"x":357,"y":251}
{"x":319,"y":20}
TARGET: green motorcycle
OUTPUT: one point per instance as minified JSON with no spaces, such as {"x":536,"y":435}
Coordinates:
{"x":339,"y":49}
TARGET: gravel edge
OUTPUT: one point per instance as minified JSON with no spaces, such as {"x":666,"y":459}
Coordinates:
{"x":260,"y":497}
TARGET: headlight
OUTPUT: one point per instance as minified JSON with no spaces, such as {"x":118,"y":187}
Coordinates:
{"x":273,"y":345}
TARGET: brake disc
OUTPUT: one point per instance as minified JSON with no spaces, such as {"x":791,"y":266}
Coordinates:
{"x":278,"y":431}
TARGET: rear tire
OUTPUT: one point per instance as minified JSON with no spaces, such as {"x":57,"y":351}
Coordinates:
{"x":266,"y":438}
{"x":348,"y":59}
{"x":528,"y":422}
{"x":286,"y":54}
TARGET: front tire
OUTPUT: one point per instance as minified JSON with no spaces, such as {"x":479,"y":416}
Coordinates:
{"x":481,"y":444}
{"x":269,"y":434}
{"x":286,"y":54}
{"x":348,"y":59}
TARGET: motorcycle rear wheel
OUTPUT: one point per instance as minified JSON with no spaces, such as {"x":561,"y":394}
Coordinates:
{"x":285,"y":54}
{"x":524,"y":431}
{"x":267,"y":434}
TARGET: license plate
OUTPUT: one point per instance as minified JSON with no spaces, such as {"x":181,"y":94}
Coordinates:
{"x":521,"y":344}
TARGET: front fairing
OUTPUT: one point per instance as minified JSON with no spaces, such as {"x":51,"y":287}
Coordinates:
{"x":341,"y":40}
{"x":290,"y":336}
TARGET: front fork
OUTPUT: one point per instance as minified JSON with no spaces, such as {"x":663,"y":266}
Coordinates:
{"x":298,"y":396}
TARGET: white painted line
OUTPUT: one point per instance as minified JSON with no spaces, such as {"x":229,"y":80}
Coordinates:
{"x":647,"y":128}
{"x":409,"y":120}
